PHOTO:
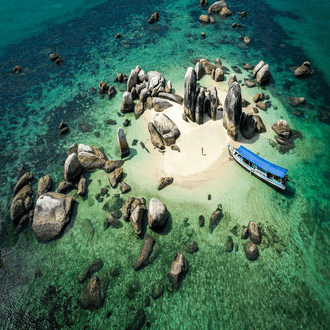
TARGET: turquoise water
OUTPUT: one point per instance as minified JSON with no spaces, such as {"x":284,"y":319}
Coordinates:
{"x":287,"y":287}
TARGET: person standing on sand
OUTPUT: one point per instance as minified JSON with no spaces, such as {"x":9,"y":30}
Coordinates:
{"x":202,"y":152}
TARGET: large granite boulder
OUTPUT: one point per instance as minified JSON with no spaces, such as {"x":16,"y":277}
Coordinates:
{"x":213,"y":103}
{"x":215,"y":219}
{"x":160,"y":104}
{"x":51,"y":214}
{"x":138,"y":109}
{"x":208,"y":67}
{"x":263,"y":75}
{"x":303,"y":70}
{"x":261,"y":128}
{"x":122,"y":143}
{"x":155,"y":137}
{"x":254,"y":232}
{"x":171,"y":97}
{"x":178,"y":269}
{"x":282,"y":128}
{"x":115,"y":176}
{"x":190,"y":84}
{"x":258,"y":97}
{"x":72,"y":168}
{"x":204,"y":19}
{"x":168,"y":88}
{"x":142,"y":76}
{"x":217,"y":7}
{"x":111,"y":165}
{"x":232,"y":78}
{"x":133,"y":211}
{"x":258,"y":67}
{"x":133,"y":78}
{"x":156,"y":83}
{"x":143,"y":258}
{"x":166,"y":127}
{"x":24,"y":180}
{"x":21,"y":204}
{"x":157,"y":214}
{"x":232,"y":111}
{"x":94,"y":295}
{"x":44,"y":185}
{"x":248,"y":125}
{"x":199,"y":111}
{"x":127,"y":104}
{"x":199,"y":70}
{"x":218,"y":74}
{"x":91,"y":157}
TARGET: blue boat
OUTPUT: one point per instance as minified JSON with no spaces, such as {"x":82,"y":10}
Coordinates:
{"x":269,"y":172}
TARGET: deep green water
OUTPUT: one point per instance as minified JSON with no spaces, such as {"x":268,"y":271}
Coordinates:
{"x":286,"y":288}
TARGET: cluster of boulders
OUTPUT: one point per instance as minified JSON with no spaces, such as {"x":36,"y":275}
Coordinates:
{"x":150,"y":90}
{"x":104,"y":88}
{"x":250,"y":248}
{"x":56,"y":58}
{"x":262,"y":73}
{"x":221,"y":8}
{"x":197,"y":100}
{"x":283,"y":131}
{"x":21,"y":210}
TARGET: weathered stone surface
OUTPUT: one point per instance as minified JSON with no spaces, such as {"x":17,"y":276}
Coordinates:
{"x":200,"y":71}
{"x":144,"y":94}
{"x":166,"y":127}
{"x":232,"y":78}
{"x":133,"y":78}
{"x":91,"y":157}
{"x":171,"y":97}
{"x":263,"y":75}
{"x":215,"y":219}
{"x":65,"y":186}
{"x":261,"y":128}
{"x":138,"y":110}
{"x":295,"y":101}
{"x":208,"y":67}
{"x":127,"y":104}
{"x":111,"y":165}
{"x":247,"y":66}
{"x":248,"y":125}
{"x":143,"y":258}
{"x":82,"y":186}
{"x":204,"y":19}
{"x":190,"y":93}
{"x":245,"y":233}
{"x":156,"y":83}
{"x":174,"y":147}
{"x":303,"y":70}
{"x":191,"y":247}
{"x":44,"y":185}
{"x":24,"y":180}
{"x":212,"y":110}
{"x":251,"y":251}
{"x":142,"y":76}
{"x":124,"y":187}
{"x":261,"y":105}
{"x":203,"y":3}
{"x":282,"y":128}
{"x":17,"y":211}
{"x":136,"y":218}
{"x":165,"y":181}
{"x":51,"y":214}
{"x":160,"y":104}
{"x":249,"y":83}
{"x":258,"y":67}
{"x":217,"y":7}
{"x":89,"y":270}
{"x":254,"y":232}
{"x":155,"y":137}
{"x":127,"y":208}
{"x":168,"y":88}
{"x":154,"y":17}
{"x":233,"y":110}
{"x":258,"y":97}
{"x":122,"y":143}
{"x":103,"y":87}
{"x":157,"y":214}
{"x":218,"y":74}
{"x":111,"y":92}
{"x":115,"y":176}
{"x":17,"y":69}
{"x":225,"y":12}
{"x":178,"y":269}
{"x":121,"y":77}
{"x":94,"y":295}
{"x":199,"y":110}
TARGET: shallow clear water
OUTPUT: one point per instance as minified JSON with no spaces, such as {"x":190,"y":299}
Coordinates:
{"x":287,"y":287}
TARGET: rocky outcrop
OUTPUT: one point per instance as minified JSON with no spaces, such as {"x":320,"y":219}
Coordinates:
{"x":44,"y":185}
{"x":303,"y":70}
{"x":63,"y":128}
{"x":111,"y":165}
{"x":82,"y":186}
{"x":254,"y":232}
{"x":178,"y":269}
{"x":295,"y":101}
{"x":154,"y":17}
{"x":249,"y":83}
{"x":282,"y":129}
{"x":133,"y":211}
{"x":168,"y":87}
{"x":190,"y":84}
{"x":160,"y":104}
{"x":233,"y":110}
{"x":232,"y":78}
{"x":261,"y":105}
{"x":143,"y":258}
{"x":225,"y":12}
{"x":21,"y":205}
{"x":103,"y":87}
{"x":157,"y":214}
{"x":72,"y":167}
{"x":127,"y":104}
{"x":138,"y":110}
{"x":133,"y":78}
{"x":156,"y":83}
{"x":89,"y":270}
{"x":121,"y":77}
{"x":251,"y":251}
{"x":94,"y":295}
{"x":25,"y":179}
{"x":215,"y":219}
{"x":204,"y":19}
{"x":217,"y":7}
{"x":199,"y":110}
{"x":51,"y":214}
{"x":258,"y":67}
{"x":261,"y":128}
{"x":155,"y":137}
{"x":124,"y":187}
{"x":171,"y":97}
{"x":115,"y":176}
{"x":199,"y":70}
{"x":65,"y":186}
{"x":212,"y":112}
{"x":208,"y":67}
{"x":258,"y":97}
{"x":248,"y":125}
{"x":166,"y":127}
{"x":122,"y":143}
{"x":165,"y":181}
{"x":91,"y":157}
{"x":218,"y":74}
{"x":263,"y":75}
{"x":247,"y":40}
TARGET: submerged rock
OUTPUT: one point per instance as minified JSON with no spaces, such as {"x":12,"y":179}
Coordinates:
{"x":178,"y":269}
{"x":215,"y":219}
{"x":157,"y":290}
{"x":229,"y":245}
{"x":89,"y":270}
{"x":254,"y":232}
{"x":143,"y":258}
{"x":51,"y":214}
{"x":154,"y":17}
{"x":191,"y":247}
{"x":157,"y":214}
{"x":251,"y":251}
